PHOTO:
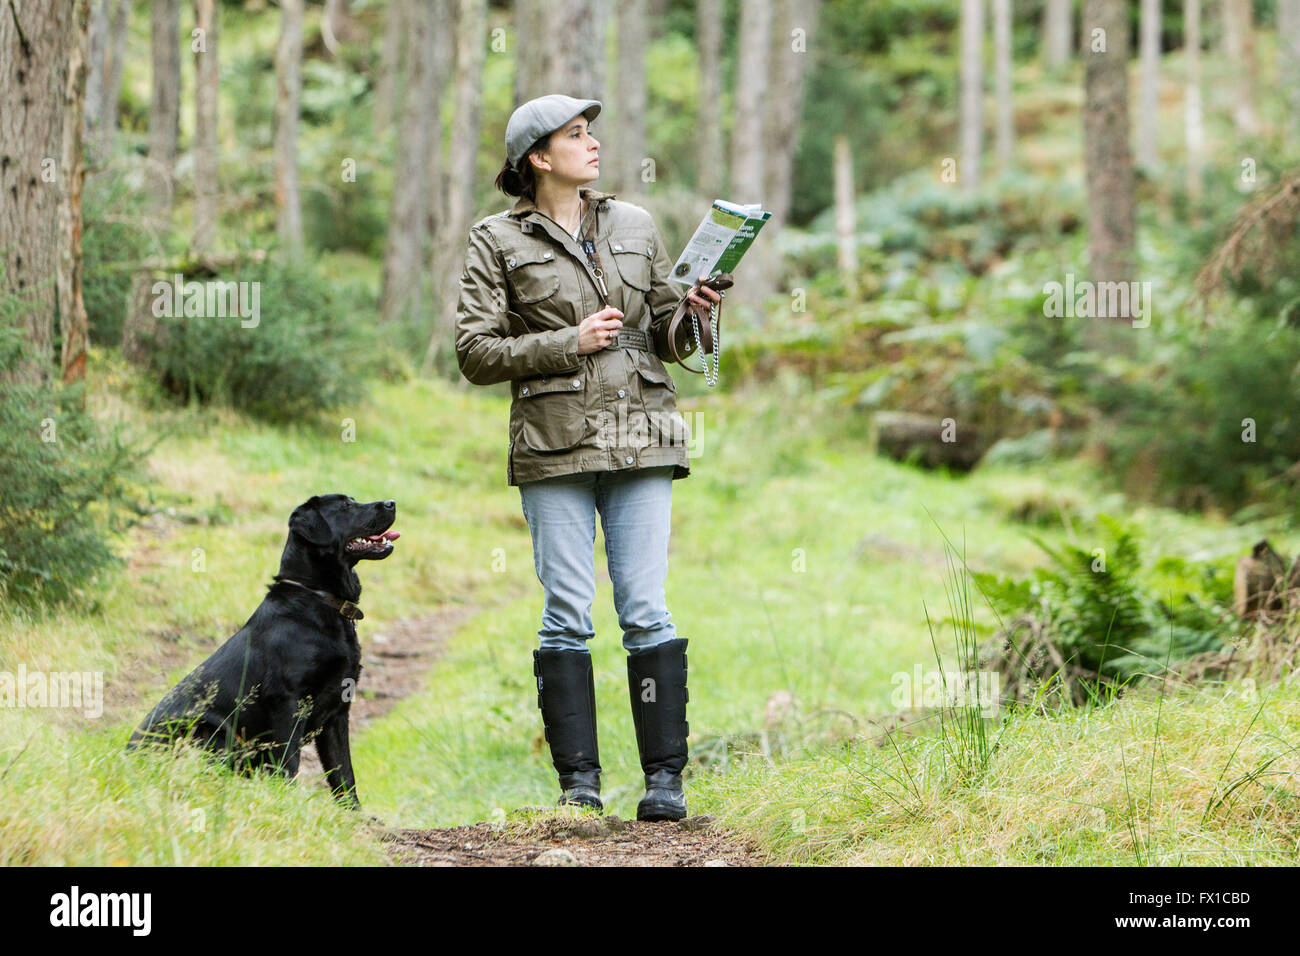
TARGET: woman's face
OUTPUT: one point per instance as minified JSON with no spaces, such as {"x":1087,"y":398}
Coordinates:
{"x":570,"y":155}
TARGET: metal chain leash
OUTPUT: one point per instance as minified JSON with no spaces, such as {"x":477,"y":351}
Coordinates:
{"x":710,"y":374}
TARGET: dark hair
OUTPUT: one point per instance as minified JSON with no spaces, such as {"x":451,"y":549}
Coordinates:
{"x":521,"y":181}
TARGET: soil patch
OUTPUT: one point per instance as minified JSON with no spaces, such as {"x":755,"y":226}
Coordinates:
{"x":587,"y":840}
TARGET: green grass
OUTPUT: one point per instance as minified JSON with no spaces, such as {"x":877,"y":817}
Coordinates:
{"x":801,"y":569}
{"x":1214,"y":785}
{"x":77,"y":799}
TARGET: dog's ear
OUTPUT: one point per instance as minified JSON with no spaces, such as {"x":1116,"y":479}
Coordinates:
{"x":307,"y":522}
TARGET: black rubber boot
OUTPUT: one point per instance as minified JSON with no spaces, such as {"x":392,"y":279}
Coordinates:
{"x":566,"y":693}
{"x":656,"y":682}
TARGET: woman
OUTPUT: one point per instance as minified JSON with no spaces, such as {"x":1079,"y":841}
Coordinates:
{"x":567,"y":297}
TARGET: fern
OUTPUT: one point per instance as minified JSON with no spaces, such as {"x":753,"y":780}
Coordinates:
{"x":1106,"y":612}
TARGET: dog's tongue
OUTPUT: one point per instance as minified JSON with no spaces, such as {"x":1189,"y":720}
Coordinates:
{"x":386,"y":536}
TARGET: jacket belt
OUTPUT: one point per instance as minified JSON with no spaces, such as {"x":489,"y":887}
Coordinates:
{"x":630,"y":339}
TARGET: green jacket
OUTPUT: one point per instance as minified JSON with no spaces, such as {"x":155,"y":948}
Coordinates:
{"x":525,"y":288}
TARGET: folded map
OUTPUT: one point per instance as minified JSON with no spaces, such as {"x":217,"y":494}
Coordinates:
{"x":723,"y":236}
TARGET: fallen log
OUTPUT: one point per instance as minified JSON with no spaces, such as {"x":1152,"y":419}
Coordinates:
{"x":933,"y":441}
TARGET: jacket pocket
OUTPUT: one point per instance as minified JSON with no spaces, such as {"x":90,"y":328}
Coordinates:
{"x":652,"y":370}
{"x":532,"y":272}
{"x":659,"y":400}
{"x":552,"y":411}
{"x":633,"y":255}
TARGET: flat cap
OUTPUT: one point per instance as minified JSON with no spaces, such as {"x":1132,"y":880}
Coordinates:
{"x":540,"y":116}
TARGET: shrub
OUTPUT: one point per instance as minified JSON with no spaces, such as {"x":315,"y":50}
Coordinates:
{"x":308,"y":352}
{"x":63,"y":485}
{"x":1215,"y":422}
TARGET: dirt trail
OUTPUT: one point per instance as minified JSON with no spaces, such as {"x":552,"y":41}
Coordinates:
{"x":578,"y":840}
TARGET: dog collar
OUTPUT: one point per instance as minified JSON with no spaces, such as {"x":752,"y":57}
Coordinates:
{"x":349,"y":610}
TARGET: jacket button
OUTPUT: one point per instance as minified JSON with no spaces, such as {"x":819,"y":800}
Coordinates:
{"x":628,"y":459}
{"x":621,"y":393}
{"x":576,"y":383}
{"x":618,"y":248}
{"x":524,"y":390}
{"x":547,"y":256}
{"x":510,"y":263}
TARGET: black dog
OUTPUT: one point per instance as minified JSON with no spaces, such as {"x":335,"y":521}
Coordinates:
{"x":288,"y":676}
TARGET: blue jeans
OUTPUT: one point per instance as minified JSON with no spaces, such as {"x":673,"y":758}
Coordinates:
{"x":635,"y":512}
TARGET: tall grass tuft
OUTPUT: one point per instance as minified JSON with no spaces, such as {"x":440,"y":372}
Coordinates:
{"x":963,"y":728}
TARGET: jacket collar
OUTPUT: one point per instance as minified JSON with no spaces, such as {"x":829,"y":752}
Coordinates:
{"x":523,"y":206}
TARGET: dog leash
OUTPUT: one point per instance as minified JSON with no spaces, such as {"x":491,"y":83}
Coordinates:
{"x":349,"y":610}
{"x":708,"y":340}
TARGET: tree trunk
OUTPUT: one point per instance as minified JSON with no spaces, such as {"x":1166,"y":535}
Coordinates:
{"x":629,"y":148}
{"x":471,"y":40}
{"x":1002,"y":83}
{"x":1288,"y":29}
{"x":657,"y":11}
{"x":747,"y":159}
{"x":793,"y":24}
{"x":1149,"y":85}
{"x":560,"y":47}
{"x":164,"y":105}
{"x":972,"y":92}
{"x":96,"y":63}
{"x":408,"y":215}
{"x":206,"y":155}
{"x":390,"y":65}
{"x":1239,"y":45}
{"x":111,"y":88}
{"x":577,"y":34}
{"x":1195,"y":130}
{"x":1058,"y":33}
{"x":34,"y":53}
{"x":1108,"y":162}
{"x":73,"y":325}
{"x":711,"y":171}
{"x":748,"y":162}
{"x":288,"y":95}
{"x":470,"y":50}
{"x":444,"y":52}
{"x":845,"y":219}
{"x":531,"y":70}
{"x":794,"y":27}
{"x":140,"y":324}
{"x":433,"y":278}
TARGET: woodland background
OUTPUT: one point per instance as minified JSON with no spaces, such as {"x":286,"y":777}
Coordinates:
{"x":912,"y":464}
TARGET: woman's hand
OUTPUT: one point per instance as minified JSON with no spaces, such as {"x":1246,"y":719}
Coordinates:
{"x":595,"y":330}
{"x":698,"y":290}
